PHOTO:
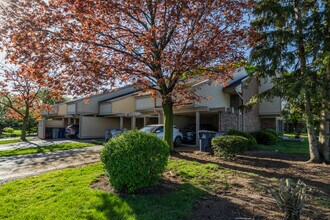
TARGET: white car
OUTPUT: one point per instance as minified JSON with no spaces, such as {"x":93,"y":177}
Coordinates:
{"x":159,"y":131}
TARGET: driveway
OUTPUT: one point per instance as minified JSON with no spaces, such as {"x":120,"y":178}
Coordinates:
{"x":18,"y":167}
{"x":34,"y":143}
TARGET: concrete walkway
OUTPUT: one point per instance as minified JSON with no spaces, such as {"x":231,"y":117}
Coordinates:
{"x":18,"y":167}
{"x":34,"y":143}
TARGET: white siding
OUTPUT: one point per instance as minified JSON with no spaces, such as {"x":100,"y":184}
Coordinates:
{"x":144,"y":103}
{"x":105,"y":108}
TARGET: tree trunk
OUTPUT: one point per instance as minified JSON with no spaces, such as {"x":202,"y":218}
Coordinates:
{"x":313,"y":149}
{"x":324,"y":148}
{"x":168,"y":122}
{"x":309,"y":118}
{"x":24,"y":126}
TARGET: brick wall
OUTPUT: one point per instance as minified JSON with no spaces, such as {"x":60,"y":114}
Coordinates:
{"x":251,"y":118}
{"x":228,"y":120}
{"x":268,"y":123}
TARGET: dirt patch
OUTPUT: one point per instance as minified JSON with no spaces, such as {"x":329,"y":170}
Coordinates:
{"x":249,"y":198}
{"x":164,"y":186}
{"x":249,"y":180}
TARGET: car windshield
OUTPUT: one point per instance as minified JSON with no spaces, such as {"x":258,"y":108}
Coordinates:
{"x":149,"y":129}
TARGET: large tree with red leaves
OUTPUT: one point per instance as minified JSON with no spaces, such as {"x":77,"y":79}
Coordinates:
{"x":157,"y":45}
{"x":22,"y":94}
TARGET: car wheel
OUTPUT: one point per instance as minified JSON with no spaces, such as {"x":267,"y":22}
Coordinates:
{"x":178,"y":141}
{"x":76,"y":135}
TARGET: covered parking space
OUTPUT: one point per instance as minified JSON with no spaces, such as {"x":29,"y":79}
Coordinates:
{"x":198,"y":118}
{"x":95,"y":127}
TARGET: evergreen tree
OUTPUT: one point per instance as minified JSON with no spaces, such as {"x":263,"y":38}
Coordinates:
{"x":293,"y":51}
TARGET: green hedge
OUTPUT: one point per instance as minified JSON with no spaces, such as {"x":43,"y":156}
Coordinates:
{"x":8,"y":130}
{"x":252,"y":141}
{"x":265,"y":138}
{"x":134,"y":160}
{"x":229,"y":146}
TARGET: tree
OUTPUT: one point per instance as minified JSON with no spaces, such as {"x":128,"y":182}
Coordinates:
{"x":291,"y":51}
{"x":19,"y":92}
{"x":156,"y":45}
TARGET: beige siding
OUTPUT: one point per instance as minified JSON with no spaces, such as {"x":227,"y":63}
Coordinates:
{"x":269,"y":108}
{"x":144,"y":103}
{"x":71,"y":109}
{"x":41,"y":130}
{"x":94,"y":127}
{"x":124,"y":105}
{"x":88,"y":106}
{"x":105,"y":108}
{"x":62,"y":109}
{"x":54,"y":123}
{"x":159,"y":102}
{"x":213,"y":96}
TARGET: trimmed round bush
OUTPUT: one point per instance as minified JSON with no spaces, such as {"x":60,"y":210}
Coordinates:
{"x":229,"y":145}
{"x":8,"y":130}
{"x":134,"y":160}
{"x":265,"y":138}
{"x":252,"y":141}
{"x":273,"y":132}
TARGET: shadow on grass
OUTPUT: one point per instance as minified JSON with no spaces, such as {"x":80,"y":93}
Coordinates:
{"x":251,"y":165}
{"x":185,"y":201}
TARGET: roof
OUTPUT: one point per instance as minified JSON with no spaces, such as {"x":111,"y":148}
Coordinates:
{"x":104,"y":94}
{"x":118,"y":96}
{"x":232,"y":86}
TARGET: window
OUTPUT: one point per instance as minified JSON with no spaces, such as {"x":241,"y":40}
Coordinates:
{"x":235,"y":101}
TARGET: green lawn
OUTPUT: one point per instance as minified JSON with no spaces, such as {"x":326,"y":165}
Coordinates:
{"x":11,"y":141}
{"x":288,"y":147}
{"x":67,"y":194}
{"x":43,"y":149}
{"x":16,"y":133}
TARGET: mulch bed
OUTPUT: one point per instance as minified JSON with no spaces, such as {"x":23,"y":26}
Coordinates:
{"x":249,"y":198}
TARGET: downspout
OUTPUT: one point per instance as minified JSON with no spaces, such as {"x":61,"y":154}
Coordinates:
{"x":243,"y":118}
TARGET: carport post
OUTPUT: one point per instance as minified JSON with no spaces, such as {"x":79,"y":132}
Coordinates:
{"x":69,"y":121}
{"x":133,"y":122}
{"x":197,"y":127}
{"x":144,"y":121}
{"x":121,"y":122}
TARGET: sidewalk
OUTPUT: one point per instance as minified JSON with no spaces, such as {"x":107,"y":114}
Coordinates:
{"x":18,"y":167}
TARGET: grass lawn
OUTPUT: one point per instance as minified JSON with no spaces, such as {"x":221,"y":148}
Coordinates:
{"x":288,"y":147}
{"x":43,"y":149}
{"x":11,"y":141}
{"x":16,"y":133}
{"x":67,"y":194}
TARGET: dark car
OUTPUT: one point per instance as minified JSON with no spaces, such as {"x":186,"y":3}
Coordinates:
{"x":72,"y":131}
{"x":189,"y":132}
{"x":112,"y":133}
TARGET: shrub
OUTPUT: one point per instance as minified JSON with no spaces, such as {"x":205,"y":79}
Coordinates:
{"x":252,"y":141}
{"x":229,"y":146}
{"x":265,"y":138}
{"x":290,"y":197}
{"x":273,"y":132}
{"x":8,"y":130}
{"x":134,"y":160}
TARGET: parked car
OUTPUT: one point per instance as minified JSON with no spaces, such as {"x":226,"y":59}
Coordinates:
{"x":189,"y":132}
{"x":111,"y":133}
{"x":159,"y":131}
{"x":72,"y":131}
